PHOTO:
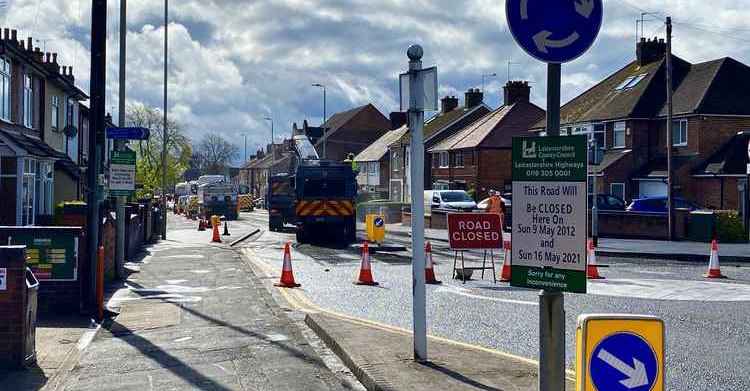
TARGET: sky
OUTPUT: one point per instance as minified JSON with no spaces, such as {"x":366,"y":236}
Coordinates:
{"x":233,"y":63}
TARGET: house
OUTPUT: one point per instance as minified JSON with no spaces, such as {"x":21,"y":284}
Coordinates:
{"x":723,"y":176}
{"x":31,"y":170}
{"x":349,"y":131}
{"x":625,"y":116}
{"x":478,"y":157}
{"x":449,"y":120}
{"x":374,"y":161}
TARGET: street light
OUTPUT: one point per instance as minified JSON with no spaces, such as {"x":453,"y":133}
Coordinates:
{"x":165,"y":136}
{"x":273,"y":148}
{"x":324,"y":117}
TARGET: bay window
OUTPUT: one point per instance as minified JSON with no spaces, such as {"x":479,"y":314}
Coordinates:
{"x":679,"y":132}
{"x":618,"y":135}
{"x":444,"y":162}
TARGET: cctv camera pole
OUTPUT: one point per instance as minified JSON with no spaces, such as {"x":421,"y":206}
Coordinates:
{"x":416,"y":123}
{"x":96,"y":135}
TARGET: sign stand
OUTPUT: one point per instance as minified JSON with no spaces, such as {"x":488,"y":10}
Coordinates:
{"x":460,"y":254}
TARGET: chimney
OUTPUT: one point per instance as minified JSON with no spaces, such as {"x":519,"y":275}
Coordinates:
{"x":398,"y":119}
{"x":6,"y":33}
{"x":448,"y":104}
{"x":38,"y":54}
{"x":14,"y":35}
{"x":516,"y":91}
{"x":30,"y":44}
{"x":47,"y":57}
{"x":474,"y":97}
{"x":54,"y":58}
{"x":649,"y":51}
{"x":64,"y":70}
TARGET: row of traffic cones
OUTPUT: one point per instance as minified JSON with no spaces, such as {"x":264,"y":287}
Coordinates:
{"x":202,"y":224}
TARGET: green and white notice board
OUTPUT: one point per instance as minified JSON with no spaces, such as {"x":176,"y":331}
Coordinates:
{"x":549,"y":213}
{"x":122,"y":173}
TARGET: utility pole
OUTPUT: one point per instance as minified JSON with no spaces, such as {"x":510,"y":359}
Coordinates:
{"x":552,"y":303}
{"x":96,"y":133}
{"x":670,"y":174}
{"x":120,"y":145}
{"x":165,"y":135}
{"x":244,"y":160}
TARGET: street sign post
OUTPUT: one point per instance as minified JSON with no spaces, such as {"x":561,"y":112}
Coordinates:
{"x":474,"y":231}
{"x":128,"y":133}
{"x":122,"y":173}
{"x":549,"y":213}
{"x":619,"y":352}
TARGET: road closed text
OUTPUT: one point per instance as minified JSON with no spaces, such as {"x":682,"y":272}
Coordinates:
{"x":474,"y":231}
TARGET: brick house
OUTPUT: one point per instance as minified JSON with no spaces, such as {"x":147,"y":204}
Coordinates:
{"x":625,"y":114}
{"x":374,"y":162}
{"x":723,"y":176}
{"x":478,"y":157}
{"x":32,"y":171}
{"x":350,"y":131}
{"x":450,"y":119}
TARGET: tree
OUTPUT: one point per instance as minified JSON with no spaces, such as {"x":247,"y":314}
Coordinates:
{"x":148,"y":161}
{"x":214,"y":154}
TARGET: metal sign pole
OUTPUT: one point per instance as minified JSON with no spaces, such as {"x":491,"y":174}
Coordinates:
{"x":120,"y":244}
{"x":552,"y":303}
{"x":416,"y":122}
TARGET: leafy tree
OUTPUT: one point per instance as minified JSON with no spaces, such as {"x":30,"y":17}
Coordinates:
{"x":148,"y":160}
{"x":214,"y":154}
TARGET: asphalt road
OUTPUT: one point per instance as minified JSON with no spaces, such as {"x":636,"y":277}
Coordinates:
{"x":708,"y":340}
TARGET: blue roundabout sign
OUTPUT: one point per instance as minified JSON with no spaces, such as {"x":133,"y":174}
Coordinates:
{"x":624,"y":362}
{"x":554,"y":31}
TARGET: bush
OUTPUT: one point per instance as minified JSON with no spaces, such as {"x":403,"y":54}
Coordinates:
{"x":729,"y":227}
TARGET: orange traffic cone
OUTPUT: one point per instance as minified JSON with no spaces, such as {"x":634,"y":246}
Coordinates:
{"x":505,"y":273}
{"x":287,"y":276}
{"x":429,"y":271}
{"x":201,"y":225}
{"x":216,"y":238}
{"x":592,"y":272}
{"x":713,"y":262}
{"x":365,"y":273}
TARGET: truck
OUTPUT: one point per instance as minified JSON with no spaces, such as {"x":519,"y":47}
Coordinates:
{"x":216,"y":196}
{"x":280,"y":201}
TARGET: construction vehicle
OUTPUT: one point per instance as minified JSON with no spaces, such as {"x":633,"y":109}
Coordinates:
{"x":325,"y":195}
{"x":216,"y":196}
{"x":280,"y":201}
{"x":245,"y":199}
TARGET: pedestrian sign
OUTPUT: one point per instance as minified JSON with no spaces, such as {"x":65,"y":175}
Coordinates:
{"x":618,"y":352}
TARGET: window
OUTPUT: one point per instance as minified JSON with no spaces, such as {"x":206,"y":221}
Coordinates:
{"x":372,"y":168}
{"x":619,"y":135}
{"x":617,"y":190}
{"x":458,"y":159}
{"x":28,"y":102}
{"x":70,"y":112}
{"x":55,"y":112}
{"x":630,"y":82}
{"x":5,"y":89}
{"x":395,"y":166}
{"x":28,"y":191}
{"x":679,"y":132}
{"x":444,"y":159}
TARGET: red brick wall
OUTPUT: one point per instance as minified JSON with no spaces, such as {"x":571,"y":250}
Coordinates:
{"x":495,"y":170}
{"x":12,"y":307}
{"x":708,"y":192}
{"x":361,"y":131}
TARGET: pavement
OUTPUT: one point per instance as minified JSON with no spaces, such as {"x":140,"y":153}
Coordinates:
{"x":193,"y":316}
{"x":624,"y":248}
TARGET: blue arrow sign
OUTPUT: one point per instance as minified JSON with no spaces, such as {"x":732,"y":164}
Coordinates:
{"x":379,"y":222}
{"x":623,"y":362}
{"x":132,"y":133}
{"x":554,"y":31}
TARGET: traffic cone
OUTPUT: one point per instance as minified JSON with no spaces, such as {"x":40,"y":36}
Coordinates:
{"x":505,"y":273}
{"x":365,"y":273}
{"x":201,"y":225}
{"x":216,"y":238}
{"x":713,"y":262}
{"x":592,"y":272}
{"x":287,"y":276}
{"x":429,"y":271}
{"x":226,"y":228}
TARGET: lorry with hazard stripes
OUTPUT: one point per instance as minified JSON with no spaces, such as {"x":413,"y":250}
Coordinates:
{"x":323,"y":196}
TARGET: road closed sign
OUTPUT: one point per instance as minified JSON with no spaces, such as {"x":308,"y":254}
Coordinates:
{"x":549,"y":213}
{"x":472,"y":231}
{"x":619,"y":352}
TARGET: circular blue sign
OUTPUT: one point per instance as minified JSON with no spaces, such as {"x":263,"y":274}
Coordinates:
{"x":554,"y":31}
{"x":623,"y":362}
{"x":379,"y":222}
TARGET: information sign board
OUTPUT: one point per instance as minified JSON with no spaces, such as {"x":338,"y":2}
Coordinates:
{"x":52,"y":256}
{"x":549,"y":213}
{"x":474,"y":231}
{"x":122,"y":173}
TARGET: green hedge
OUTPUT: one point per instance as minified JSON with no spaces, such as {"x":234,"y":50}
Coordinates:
{"x":729,"y":227}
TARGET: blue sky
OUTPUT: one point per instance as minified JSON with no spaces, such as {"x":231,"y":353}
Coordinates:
{"x":234,"y":62}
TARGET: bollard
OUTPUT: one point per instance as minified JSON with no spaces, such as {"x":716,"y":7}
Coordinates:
{"x":100,"y":284}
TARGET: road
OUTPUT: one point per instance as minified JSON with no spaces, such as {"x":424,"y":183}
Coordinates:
{"x":708,"y":343}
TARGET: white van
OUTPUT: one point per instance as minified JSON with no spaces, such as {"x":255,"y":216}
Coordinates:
{"x":455,"y":200}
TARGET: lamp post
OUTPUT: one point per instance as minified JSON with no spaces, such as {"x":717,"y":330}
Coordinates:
{"x":165,"y":137}
{"x":324,"y":117}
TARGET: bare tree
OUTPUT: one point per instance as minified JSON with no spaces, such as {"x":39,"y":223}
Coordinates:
{"x":214,"y":153}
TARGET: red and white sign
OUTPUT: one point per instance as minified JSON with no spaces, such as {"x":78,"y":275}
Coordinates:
{"x":472,"y":231}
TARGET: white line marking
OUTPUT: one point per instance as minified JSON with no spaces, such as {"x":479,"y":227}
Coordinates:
{"x":467,"y":293}
{"x":675,"y":290}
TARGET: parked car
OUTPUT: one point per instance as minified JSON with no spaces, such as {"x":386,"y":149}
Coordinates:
{"x":659,"y":205}
{"x":607,"y":202}
{"x":450,"y":199}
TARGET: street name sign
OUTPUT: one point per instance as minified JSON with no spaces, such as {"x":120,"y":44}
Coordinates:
{"x":554,"y":31}
{"x":474,"y":231}
{"x":549,"y":213}
{"x":128,"y":133}
{"x":122,"y":173}
{"x":619,"y":352}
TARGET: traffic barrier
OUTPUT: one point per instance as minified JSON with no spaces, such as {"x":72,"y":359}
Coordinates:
{"x":429,"y":271}
{"x":506,"y":271}
{"x":226,"y":229}
{"x":713,"y":262}
{"x":365,"y":272}
{"x":216,"y":238}
{"x":287,"y":276}
{"x":592,"y":272}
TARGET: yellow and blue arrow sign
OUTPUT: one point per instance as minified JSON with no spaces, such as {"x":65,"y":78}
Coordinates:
{"x":619,"y":352}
